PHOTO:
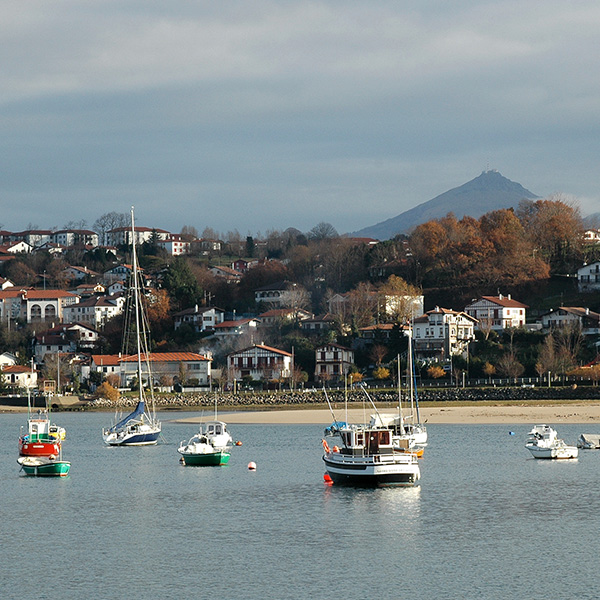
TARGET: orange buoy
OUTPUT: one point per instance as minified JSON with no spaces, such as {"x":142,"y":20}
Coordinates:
{"x":336,"y":449}
{"x":238,"y":443}
{"x":252,"y":466}
{"x":327,"y":479}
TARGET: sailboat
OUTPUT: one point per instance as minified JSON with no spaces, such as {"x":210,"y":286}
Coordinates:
{"x":141,"y":427}
{"x":409,"y":434}
{"x":413,"y":427}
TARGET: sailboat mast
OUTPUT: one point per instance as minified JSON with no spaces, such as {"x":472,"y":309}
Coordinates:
{"x":399,"y":392}
{"x":409,"y":369}
{"x":136,"y":297}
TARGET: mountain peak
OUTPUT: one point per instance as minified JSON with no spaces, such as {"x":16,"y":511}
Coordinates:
{"x":489,"y":191}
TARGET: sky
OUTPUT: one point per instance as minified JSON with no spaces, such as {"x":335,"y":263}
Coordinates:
{"x":263,"y":115}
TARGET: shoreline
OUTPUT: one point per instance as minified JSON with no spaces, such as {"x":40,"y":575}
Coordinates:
{"x":441,"y":413}
{"x":465,"y":413}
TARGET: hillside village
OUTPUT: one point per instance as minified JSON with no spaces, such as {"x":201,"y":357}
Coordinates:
{"x":515,"y":293}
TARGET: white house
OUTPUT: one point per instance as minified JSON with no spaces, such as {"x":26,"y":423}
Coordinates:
{"x":7,"y":359}
{"x":122,"y":235}
{"x":565,"y":316}
{"x":591,"y":236}
{"x":277,"y":316}
{"x":226,"y":273}
{"x":74,"y":237}
{"x":95,"y":311}
{"x":442,"y":333}
{"x":19,"y":376}
{"x":19,"y":247}
{"x":588,"y":277}
{"x":200,"y":318}
{"x":174,"y":245}
{"x":260,"y":362}
{"x":76,"y":273}
{"x":118,"y":273}
{"x":6,"y":283}
{"x":497,"y":312}
{"x":168,"y":368}
{"x":333,"y":362}
{"x":54,"y":343}
{"x":105,"y":364}
{"x":234,"y":328}
{"x":46,"y":305}
{"x":277,"y":294}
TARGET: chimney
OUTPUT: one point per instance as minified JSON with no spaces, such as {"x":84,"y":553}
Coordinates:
{"x":508,"y":296}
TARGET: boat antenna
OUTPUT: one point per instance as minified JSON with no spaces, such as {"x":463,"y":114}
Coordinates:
{"x":329,"y":404}
{"x":372,"y":404}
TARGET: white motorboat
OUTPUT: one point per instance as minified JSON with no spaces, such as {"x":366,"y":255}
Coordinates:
{"x":209,"y":447}
{"x":543,"y":442}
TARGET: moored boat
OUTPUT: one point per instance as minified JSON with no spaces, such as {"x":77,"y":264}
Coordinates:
{"x":140,"y":427}
{"x":589,"y":441}
{"x":44,"y":466}
{"x":367,"y":458}
{"x":209,"y":447}
{"x":543,"y":442}
{"x":42,"y":437}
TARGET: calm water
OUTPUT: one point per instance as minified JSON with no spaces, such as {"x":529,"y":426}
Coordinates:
{"x":487,"y":521}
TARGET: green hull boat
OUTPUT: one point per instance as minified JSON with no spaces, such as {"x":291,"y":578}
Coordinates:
{"x":212,"y":459}
{"x":44,"y":467}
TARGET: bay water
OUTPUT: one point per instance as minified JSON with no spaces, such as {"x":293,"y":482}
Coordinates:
{"x":486,"y":521}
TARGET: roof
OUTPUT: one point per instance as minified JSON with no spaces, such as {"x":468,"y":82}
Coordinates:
{"x":107,"y":360}
{"x":576,"y":311}
{"x":380,"y":327}
{"x":168,"y":357}
{"x":197,"y":310}
{"x":504,"y":301}
{"x":277,"y":285}
{"x":261,"y":347}
{"x":332,"y":345}
{"x":16,"y":369}
{"x":230,"y":324}
{"x":48,"y":294}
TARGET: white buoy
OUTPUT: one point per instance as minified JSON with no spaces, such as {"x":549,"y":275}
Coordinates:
{"x":252,"y":466}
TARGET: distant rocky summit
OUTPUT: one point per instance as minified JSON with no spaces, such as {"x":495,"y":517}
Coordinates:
{"x":490,"y":191}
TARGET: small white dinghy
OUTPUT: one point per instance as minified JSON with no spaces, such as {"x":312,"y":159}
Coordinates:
{"x":543,"y":442}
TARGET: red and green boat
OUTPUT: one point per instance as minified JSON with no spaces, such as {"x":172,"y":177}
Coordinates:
{"x":42,"y":438}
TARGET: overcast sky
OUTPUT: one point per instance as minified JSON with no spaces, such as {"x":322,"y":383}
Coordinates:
{"x":255,"y":115}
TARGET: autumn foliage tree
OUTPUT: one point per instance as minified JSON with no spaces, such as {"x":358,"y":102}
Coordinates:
{"x":492,"y":250}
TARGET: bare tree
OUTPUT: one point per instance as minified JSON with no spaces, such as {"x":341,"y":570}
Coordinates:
{"x":109,"y":221}
{"x":323,"y":231}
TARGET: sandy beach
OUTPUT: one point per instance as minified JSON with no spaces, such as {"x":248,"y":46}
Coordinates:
{"x":549,"y":412}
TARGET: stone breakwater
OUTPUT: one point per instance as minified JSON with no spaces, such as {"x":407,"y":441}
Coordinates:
{"x":317,"y":397}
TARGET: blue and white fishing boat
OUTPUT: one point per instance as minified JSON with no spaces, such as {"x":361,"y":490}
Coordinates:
{"x":140,"y":427}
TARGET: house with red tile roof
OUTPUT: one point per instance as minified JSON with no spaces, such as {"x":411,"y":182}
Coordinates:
{"x":333,"y":362}
{"x":168,"y":368}
{"x":235,"y":328}
{"x":19,"y":376}
{"x":497,"y":312}
{"x":260,"y":362}
{"x":35,"y":305}
{"x":442,"y":333}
